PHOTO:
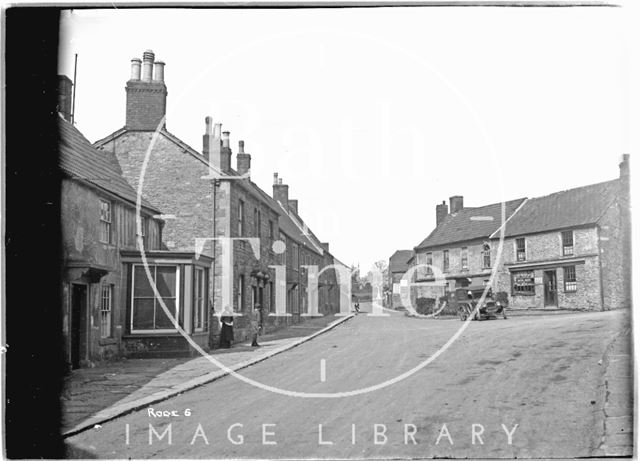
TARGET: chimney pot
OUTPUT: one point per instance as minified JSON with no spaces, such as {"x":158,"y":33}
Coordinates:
{"x":243,"y":160}
{"x":275,"y":178}
{"x":225,"y":138}
{"x":280,"y":181}
{"x":241,"y":147}
{"x":135,"y":68}
{"x":147,"y":65}
{"x":281,"y":193}
{"x":158,"y":71}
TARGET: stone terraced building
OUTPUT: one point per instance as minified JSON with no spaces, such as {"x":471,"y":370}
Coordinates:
{"x":203,"y":198}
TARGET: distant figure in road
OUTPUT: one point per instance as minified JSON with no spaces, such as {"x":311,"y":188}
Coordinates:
{"x":357,"y":305}
{"x":226,"y":333}
{"x":256,"y":324}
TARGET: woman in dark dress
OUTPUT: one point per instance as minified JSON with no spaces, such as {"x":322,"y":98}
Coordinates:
{"x":226,"y":332}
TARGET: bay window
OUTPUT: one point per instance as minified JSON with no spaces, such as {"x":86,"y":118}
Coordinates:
{"x":147,"y":314}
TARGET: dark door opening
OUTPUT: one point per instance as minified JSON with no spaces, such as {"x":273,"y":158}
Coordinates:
{"x":78,"y":319}
{"x":550,"y":289}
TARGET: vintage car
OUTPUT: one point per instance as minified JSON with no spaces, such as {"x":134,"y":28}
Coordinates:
{"x":466,"y":300}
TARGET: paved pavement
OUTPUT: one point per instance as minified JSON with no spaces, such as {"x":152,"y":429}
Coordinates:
{"x":95,"y":395}
{"x":522,"y":387}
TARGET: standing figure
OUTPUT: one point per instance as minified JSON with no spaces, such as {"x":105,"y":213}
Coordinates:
{"x":226,"y":333}
{"x":256,"y":324}
{"x":357,"y":305}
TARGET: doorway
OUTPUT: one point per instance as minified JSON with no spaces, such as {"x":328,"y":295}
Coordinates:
{"x":550,"y":289}
{"x":78,"y":330}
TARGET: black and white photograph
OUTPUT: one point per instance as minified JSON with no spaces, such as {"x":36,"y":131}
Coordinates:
{"x":345,"y":231}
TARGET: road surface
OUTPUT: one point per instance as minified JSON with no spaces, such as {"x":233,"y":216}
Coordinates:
{"x":521,"y":387}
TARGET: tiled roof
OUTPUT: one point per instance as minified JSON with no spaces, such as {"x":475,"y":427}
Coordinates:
{"x":399,"y":261}
{"x":570,"y":208}
{"x":470,"y":224}
{"x":296,"y":230}
{"x":79,"y":159}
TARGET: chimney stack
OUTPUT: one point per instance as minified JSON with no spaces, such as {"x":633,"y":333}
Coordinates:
{"x":243,"y":160}
{"x":442,"y":211}
{"x":325,"y":245}
{"x":280,"y":191}
{"x":136,"y":63}
{"x":146,"y":95}
{"x":456,"y":203}
{"x":293,"y":205}
{"x":65,"y":88}
{"x":207,"y":138}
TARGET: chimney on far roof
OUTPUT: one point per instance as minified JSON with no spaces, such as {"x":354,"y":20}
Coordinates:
{"x":293,"y":205}
{"x":64,"y":96}
{"x":243,"y":160}
{"x":442,"y":211}
{"x":325,"y":245}
{"x":624,"y":167}
{"x":146,"y":103}
{"x":225,"y":152}
{"x":280,"y":191}
{"x":456,"y":203}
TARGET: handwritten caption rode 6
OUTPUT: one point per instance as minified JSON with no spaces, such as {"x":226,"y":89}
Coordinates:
{"x":153,"y":413}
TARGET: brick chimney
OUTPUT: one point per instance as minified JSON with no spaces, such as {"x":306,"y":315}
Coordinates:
{"x":280,"y":191}
{"x":243,"y":160}
{"x":293,"y":206}
{"x":65,"y":88}
{"x":456,"y":203}
{"x":146,"y":94}
{"x":442,"y":211}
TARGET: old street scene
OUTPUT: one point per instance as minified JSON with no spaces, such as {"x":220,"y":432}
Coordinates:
{"x":274,"y":250}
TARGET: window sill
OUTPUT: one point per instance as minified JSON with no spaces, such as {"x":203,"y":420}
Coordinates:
{"x":523,"y":294}
{"x":107,"y":341}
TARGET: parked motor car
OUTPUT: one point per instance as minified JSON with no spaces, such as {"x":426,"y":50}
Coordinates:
{"x":466,"y":299}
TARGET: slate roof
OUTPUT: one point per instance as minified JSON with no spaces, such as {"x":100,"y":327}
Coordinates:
{"x":79,"y":159}
{"x":470,"y":223}
{"x":399,"y":261}
{"x":569,"y":208}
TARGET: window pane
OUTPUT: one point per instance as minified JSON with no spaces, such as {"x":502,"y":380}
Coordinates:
{"x":166,"y":281}
{"x":143,"y":314}
{"x":142,"y":288}
{"x":162,"y":321}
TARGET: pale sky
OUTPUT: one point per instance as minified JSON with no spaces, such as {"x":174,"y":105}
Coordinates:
{"x":373,"y":116}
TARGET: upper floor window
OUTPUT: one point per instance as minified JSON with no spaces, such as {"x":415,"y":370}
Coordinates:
{"x":271,"y":229}
{"x":570,"y":281}
{"x":464,"y":258}
{"x":294,"y":257}
{"x":445,"y":260}
{"x":567,"y":243}
{"x":240,"y":305}
{"x":486,"y":256}
{"x":105,"y":221}
{"x":521,"y":249}
{"x":240,"y":218}
{"x":256,"y":222}
{"x":429,"y":262}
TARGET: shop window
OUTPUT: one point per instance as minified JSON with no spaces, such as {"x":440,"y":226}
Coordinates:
{"x":464,"y":258}
{"x":570,"y":282}
{"x":445,"y":261}
{"x":105,"y":221}
{"x":147,"y":314}
{"x":523,"y":283}
{"x":200,"y":301}
{"x":106,"y":309}
{"x":521,"y":249}
{"x":567,"y":243}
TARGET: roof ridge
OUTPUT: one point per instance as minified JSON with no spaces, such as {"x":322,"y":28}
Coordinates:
{"x":564,"y":191}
